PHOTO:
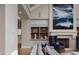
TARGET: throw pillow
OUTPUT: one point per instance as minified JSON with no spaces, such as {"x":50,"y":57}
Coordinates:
{"x":46,"y":50}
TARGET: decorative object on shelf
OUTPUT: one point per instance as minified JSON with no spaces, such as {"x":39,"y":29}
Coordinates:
{"x":39,"y":33}
{"x":41,"y":38}
{"x":45,"y":37}
{"x":35,"y":36}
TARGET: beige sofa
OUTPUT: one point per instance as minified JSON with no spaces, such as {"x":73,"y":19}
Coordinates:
{"x":37,"y":50}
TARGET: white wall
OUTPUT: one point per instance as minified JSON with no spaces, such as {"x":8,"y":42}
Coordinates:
{"x":77,"y":24}
{"x":77,"y":14}
{"x":10,"y":28}
{"x":77,"y":10}
{"x":2,"y":29}
{"x":40,"y":12}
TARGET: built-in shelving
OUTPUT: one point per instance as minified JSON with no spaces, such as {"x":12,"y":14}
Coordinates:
{"x":39,"y":33}
{"x":39,"y":29}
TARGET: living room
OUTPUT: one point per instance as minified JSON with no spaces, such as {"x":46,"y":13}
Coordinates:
{"x":40,"y":26}
{"x":39,"y":29}
{"x":50,"y":24}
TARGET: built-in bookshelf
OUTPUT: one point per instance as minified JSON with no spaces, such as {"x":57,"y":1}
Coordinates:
{"x":39,"y":33}
{"x":35,"y":31}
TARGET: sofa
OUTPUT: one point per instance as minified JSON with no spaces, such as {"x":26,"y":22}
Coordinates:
{"x":37,"y":50}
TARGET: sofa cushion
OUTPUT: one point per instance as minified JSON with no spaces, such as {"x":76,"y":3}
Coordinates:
{"x":39,"y":49}
{"x":46,"y":49}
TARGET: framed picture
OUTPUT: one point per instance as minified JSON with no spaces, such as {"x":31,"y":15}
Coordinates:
{"x":62,"y":16}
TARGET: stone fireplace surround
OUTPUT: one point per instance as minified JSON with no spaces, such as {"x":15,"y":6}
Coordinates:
{"x":64,"y":41}
{"x":72,"y":40}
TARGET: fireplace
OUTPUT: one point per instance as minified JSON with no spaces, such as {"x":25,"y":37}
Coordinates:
{"x":65,"y":41}
{"x":68,"y":41}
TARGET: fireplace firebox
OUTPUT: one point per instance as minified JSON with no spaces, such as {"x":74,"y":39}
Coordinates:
{"x":65,"y":41}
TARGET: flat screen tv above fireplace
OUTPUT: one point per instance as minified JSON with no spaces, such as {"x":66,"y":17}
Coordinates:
{"x":62,"y":16}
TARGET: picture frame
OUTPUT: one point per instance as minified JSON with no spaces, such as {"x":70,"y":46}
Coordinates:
{"x":51,"y":21}
{"x":62,"y":16}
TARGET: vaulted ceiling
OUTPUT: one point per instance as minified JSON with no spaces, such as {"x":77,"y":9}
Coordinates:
{"x":34,"y":6}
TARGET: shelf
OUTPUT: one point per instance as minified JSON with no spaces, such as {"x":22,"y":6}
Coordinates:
{"x":35,"y":30}
{"x":44,"y":33}
{"x":39,"y":40}
{"x":41,"y":33}
{"x":43,"y":30}
{"x":34,"y":33}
